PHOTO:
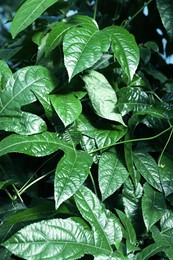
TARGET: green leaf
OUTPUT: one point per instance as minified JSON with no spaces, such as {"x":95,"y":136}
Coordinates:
{"x":105,"y":136}
{"x":161,"y":239}
{"x":71,"y":172}
{"x":102,"y":96}
{"x":35,"y":145}
{"x":149,"y":251}
{"x":79,"y":48}
{"x":54,"y":239}
{"x":5,"y":74}
{"x":112,"y":174}
{"x":125,"y":49}
{"x":19,"y":91}
{"x":165,"y":8}
{"x":57,"y":33}
{"x":107,"y":230}
{"x":132,"y":99}
{"x":28,"y":12}
{"x":148,"y":168}
{"x":165,"y":170}
{"x":166,"y":223}
{"x":153,"y":206}
{"x":67,"y":106}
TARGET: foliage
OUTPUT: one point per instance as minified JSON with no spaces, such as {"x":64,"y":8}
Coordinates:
{"x":86,"y":123}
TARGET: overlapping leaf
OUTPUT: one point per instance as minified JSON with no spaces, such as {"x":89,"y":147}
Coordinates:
{"x":107,"y":230}
{"x":19,"y":92}
{"x":102,"y":96}
{"x":112,"y":174}
{"x":125,"y":49}
{"x":80,"y":50}
{"x":153,"y":206}
{"x":5,"y":74}
{"x":57,"y":33}
{"x":54,"y":239}
{"x":28,"y":12}
{"x":165,"y":170}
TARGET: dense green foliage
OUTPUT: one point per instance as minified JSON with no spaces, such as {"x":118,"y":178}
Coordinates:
{"x":86,"y":123}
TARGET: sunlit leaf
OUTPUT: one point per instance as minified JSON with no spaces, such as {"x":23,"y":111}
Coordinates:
{"x":102,"y":96}
{"x":28,"y":12}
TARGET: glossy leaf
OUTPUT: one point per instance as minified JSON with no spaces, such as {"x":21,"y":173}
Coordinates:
{"x":148,"y":168}
{"x":67,"y":106}
{"x":106,"y":227}
{"x":125,"y":49}
{"x":19,"y":92}
{"x":35,"y":145}
{"x":153,"y":206}
{"x":5,"y":74}
{"x":112,"y":174}
{"x":28,"y":12}
{"x":71,"y":172}
{"x":102,"y":96}
{"x":149,"y":251}
{"x":132,"y":99}
{"x":104,"y":137}
{"x":79,"y":49}
{"x":161,"y":239}
{"x":49,"y":239}
{"x":165,"y":9}
{"x":165,"y":170}
{"x":57,"y":33}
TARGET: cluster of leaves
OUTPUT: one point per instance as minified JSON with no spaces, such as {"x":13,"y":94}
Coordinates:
{"x":86,"y":120}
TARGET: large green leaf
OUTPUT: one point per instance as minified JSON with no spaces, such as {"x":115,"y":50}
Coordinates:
{"x":35,"y":145}
{"x":80,"y":50}
{"x":106,"y":227}
{"x":70,"y":174}
{"x":125,"y":49}
{"x":132,"y":99}
{"x":5,"y":74}
{"x":102,"y":96}
{"x":149,"y":251}
{"x":105,"y":136}
{"x":148,"y":168}
{"x":165,"y":170}
{"x":57,"y":33}
{"x":55,"y":239}
{"x":19,"y":91}
{"x":28,"y":12}
{"x":153,"y":206}
{"x":67,"y":106}
{"x":112,"y":174}
{"x":165,"y":8}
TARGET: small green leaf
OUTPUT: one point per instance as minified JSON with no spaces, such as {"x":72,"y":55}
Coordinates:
{"x":102,"y":96}
{"x":79,"y":48}
{"x":104,"y":224}
{"x":148,"y":168}
{"x":19,"y":91}
{"x":125,"y":49}
{"x":153,"y":206}
{"x":165,"y":170}
{"x":67,"y":106}
{"x":71,"y":172}
{"x":54,"y":239}
{"x":165,"y":8}
{"x":28,"y":12}
{"x":112,"y":174}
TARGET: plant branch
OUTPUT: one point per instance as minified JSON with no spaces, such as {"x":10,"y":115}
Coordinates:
{"x":161,"y":155}
{"x":133,"y":140}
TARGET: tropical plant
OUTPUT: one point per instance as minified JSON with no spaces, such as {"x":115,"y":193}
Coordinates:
{"x":86,"y":123}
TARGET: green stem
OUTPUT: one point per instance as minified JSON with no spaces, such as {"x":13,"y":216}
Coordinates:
{"x":35,"y":181}
{"x":161,"y":155}
{"x":93,"y":183}
{"x":9,"y":195}
{"x":138,"y":12}
{"x":95,"y":9}
{"x":133,"y":140}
